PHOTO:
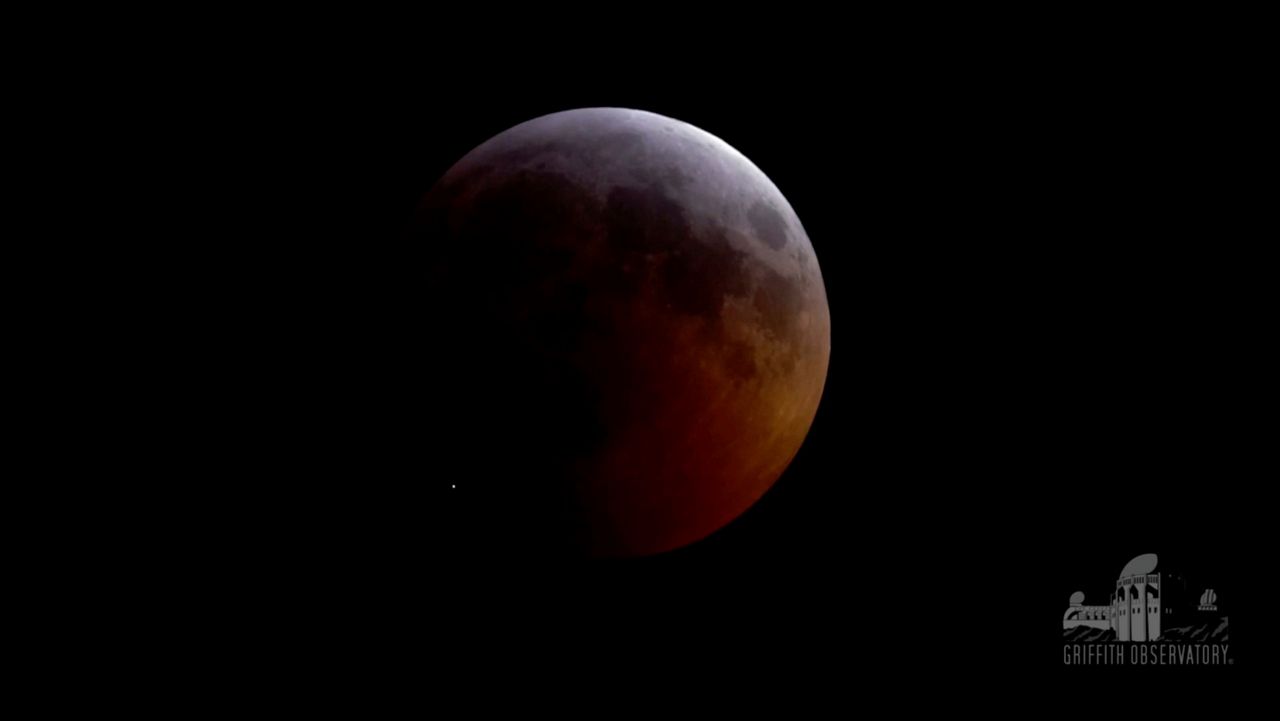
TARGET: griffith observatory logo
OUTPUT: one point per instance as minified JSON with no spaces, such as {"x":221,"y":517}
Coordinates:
{"x":1152,"y":618}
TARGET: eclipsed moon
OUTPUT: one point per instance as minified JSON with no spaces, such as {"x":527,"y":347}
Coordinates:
{"x":633,"y":329}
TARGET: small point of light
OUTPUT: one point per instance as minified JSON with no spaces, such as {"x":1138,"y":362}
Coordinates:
{"x":454,"y":485}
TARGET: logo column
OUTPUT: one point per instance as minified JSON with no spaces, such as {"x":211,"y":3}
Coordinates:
{"x":1122,"y":607}
{"x":1138,"y":622}
{"x":1154,"y":604}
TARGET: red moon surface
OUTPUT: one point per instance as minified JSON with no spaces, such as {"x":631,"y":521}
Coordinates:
{"x":633,"y":329}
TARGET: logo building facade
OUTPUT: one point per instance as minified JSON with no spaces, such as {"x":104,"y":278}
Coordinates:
{"x":1143,"y":602}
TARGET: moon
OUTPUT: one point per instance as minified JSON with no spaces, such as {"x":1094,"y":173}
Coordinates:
{"x":629,"y":330}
